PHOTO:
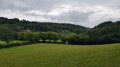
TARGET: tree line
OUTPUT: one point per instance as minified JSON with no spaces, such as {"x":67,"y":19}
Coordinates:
{"x":8,"y":35}
{"x":104,"y":33}
{"x":36,"y":36}
{"x":21,"y":25}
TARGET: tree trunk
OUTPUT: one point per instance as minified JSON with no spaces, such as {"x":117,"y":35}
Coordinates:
{"x":54,"y":41}
{"x":7,"y":42}
{"x":43,"y":41}
{"x":49,"y":41}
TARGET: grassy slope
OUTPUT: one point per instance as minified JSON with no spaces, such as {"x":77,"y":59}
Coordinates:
{"x":48,"y":55}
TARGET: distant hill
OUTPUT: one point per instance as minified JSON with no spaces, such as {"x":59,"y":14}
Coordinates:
{"x":107,"y":32}
{"x":20,"y":25}
{"x":108,"y":23}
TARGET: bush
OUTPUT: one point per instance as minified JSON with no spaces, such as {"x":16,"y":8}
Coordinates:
{"x":14,"y":43}
{"x":18,"y":43}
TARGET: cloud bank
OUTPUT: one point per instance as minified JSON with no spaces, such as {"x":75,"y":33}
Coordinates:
{"x":88,"y":13}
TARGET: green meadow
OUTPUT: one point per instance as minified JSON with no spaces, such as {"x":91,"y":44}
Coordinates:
{"x":61,"y":55}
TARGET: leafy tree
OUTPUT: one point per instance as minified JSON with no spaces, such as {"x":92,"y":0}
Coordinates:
{"x":83,"y":39}
{"x":36,"y":35}
{"x":21,"y":35}
{"x":55,"y":36}
{"x":29,"y":36}
{"x":6,"y":34}
{"x":49,"y":36}
{"x":72,"y":38}
{"x":43,"y":36}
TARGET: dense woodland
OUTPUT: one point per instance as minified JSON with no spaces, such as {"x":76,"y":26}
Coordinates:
{"x":34,"y":32}
{"x":20,"y":25}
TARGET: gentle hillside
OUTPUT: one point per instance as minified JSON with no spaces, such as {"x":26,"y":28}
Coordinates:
{"x":60,"y":55}
{"x":20,"y":25}
{"x":107,"y":32}
{"x":108,"y":24}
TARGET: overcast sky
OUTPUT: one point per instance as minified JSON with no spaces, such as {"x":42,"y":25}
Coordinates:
{"x":87,"y":13}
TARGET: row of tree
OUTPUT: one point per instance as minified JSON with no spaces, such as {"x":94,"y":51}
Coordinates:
{"x":107,"y":32}
{"x":12,"y":29}
{"x":36,"y":36}
{"x":8,"y":35}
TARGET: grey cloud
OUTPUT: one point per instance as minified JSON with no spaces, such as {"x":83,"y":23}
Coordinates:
{"x":46,"y":5}
{"x":71,"y":16}
{"x":13,"y":6}
{"x":31,"y":14}
{"x":74,"y":16}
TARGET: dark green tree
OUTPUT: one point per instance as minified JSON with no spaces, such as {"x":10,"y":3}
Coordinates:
{"x":6,"y":34}
{"x":29,"y":36}
{"x":43,"y":36}
{"x":73,"y":38}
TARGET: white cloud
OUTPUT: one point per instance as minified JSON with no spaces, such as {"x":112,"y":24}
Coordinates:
{"x":58,"y":11}
{"x":38,"y":12}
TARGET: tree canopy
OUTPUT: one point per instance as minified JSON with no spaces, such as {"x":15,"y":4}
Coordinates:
{"x":6,"y":34}
{"x":106,"y":32}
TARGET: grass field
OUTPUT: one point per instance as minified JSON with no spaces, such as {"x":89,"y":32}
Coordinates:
{"x":60,"y":55}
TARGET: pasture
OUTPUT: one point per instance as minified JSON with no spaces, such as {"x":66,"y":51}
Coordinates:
{"x":61,"y":55}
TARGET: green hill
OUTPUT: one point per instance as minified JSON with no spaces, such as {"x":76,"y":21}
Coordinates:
{"x":20,"y":25}
{"x":107,"y":32}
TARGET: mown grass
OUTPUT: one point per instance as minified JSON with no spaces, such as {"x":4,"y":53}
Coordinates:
{"x":61,"y":55}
